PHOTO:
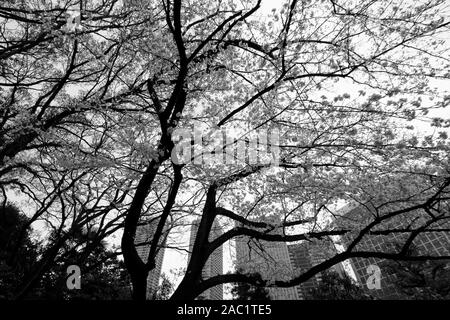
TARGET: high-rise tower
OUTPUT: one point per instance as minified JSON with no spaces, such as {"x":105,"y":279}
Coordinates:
{"x":305,"y":255}
{"x":144,"y":236}
{"x":271,"y":260}
{"x":214,"y":264}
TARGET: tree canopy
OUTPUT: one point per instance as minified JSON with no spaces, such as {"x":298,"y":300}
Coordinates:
{"x":92,"y":94}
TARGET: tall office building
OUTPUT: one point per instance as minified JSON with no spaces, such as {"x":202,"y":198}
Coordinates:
{"x":144,"y":236}
{"x":305,"y":255}
{"x":426,"y":243}
{"x":214,"y":264}
{"x":271,"y":260}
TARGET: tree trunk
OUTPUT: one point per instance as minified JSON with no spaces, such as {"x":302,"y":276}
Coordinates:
{"x":139,"y":282}
{"x":186,"y":290}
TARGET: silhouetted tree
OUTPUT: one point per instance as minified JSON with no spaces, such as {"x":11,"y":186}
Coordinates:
{"x":89,"y":117}
{"x":246,"y":291}
{"x":17,"y":252}
{"x":103,"y":275}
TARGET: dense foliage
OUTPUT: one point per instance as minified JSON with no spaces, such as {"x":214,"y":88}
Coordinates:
{"x":92,"y":94}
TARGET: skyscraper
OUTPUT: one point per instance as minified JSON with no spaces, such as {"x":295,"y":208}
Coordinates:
{"x":271,"y":260}
{"x":305,"y":255}
{"x":426,"y":243}
{"x":144,"y":236}
{"x":214,"y":264}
